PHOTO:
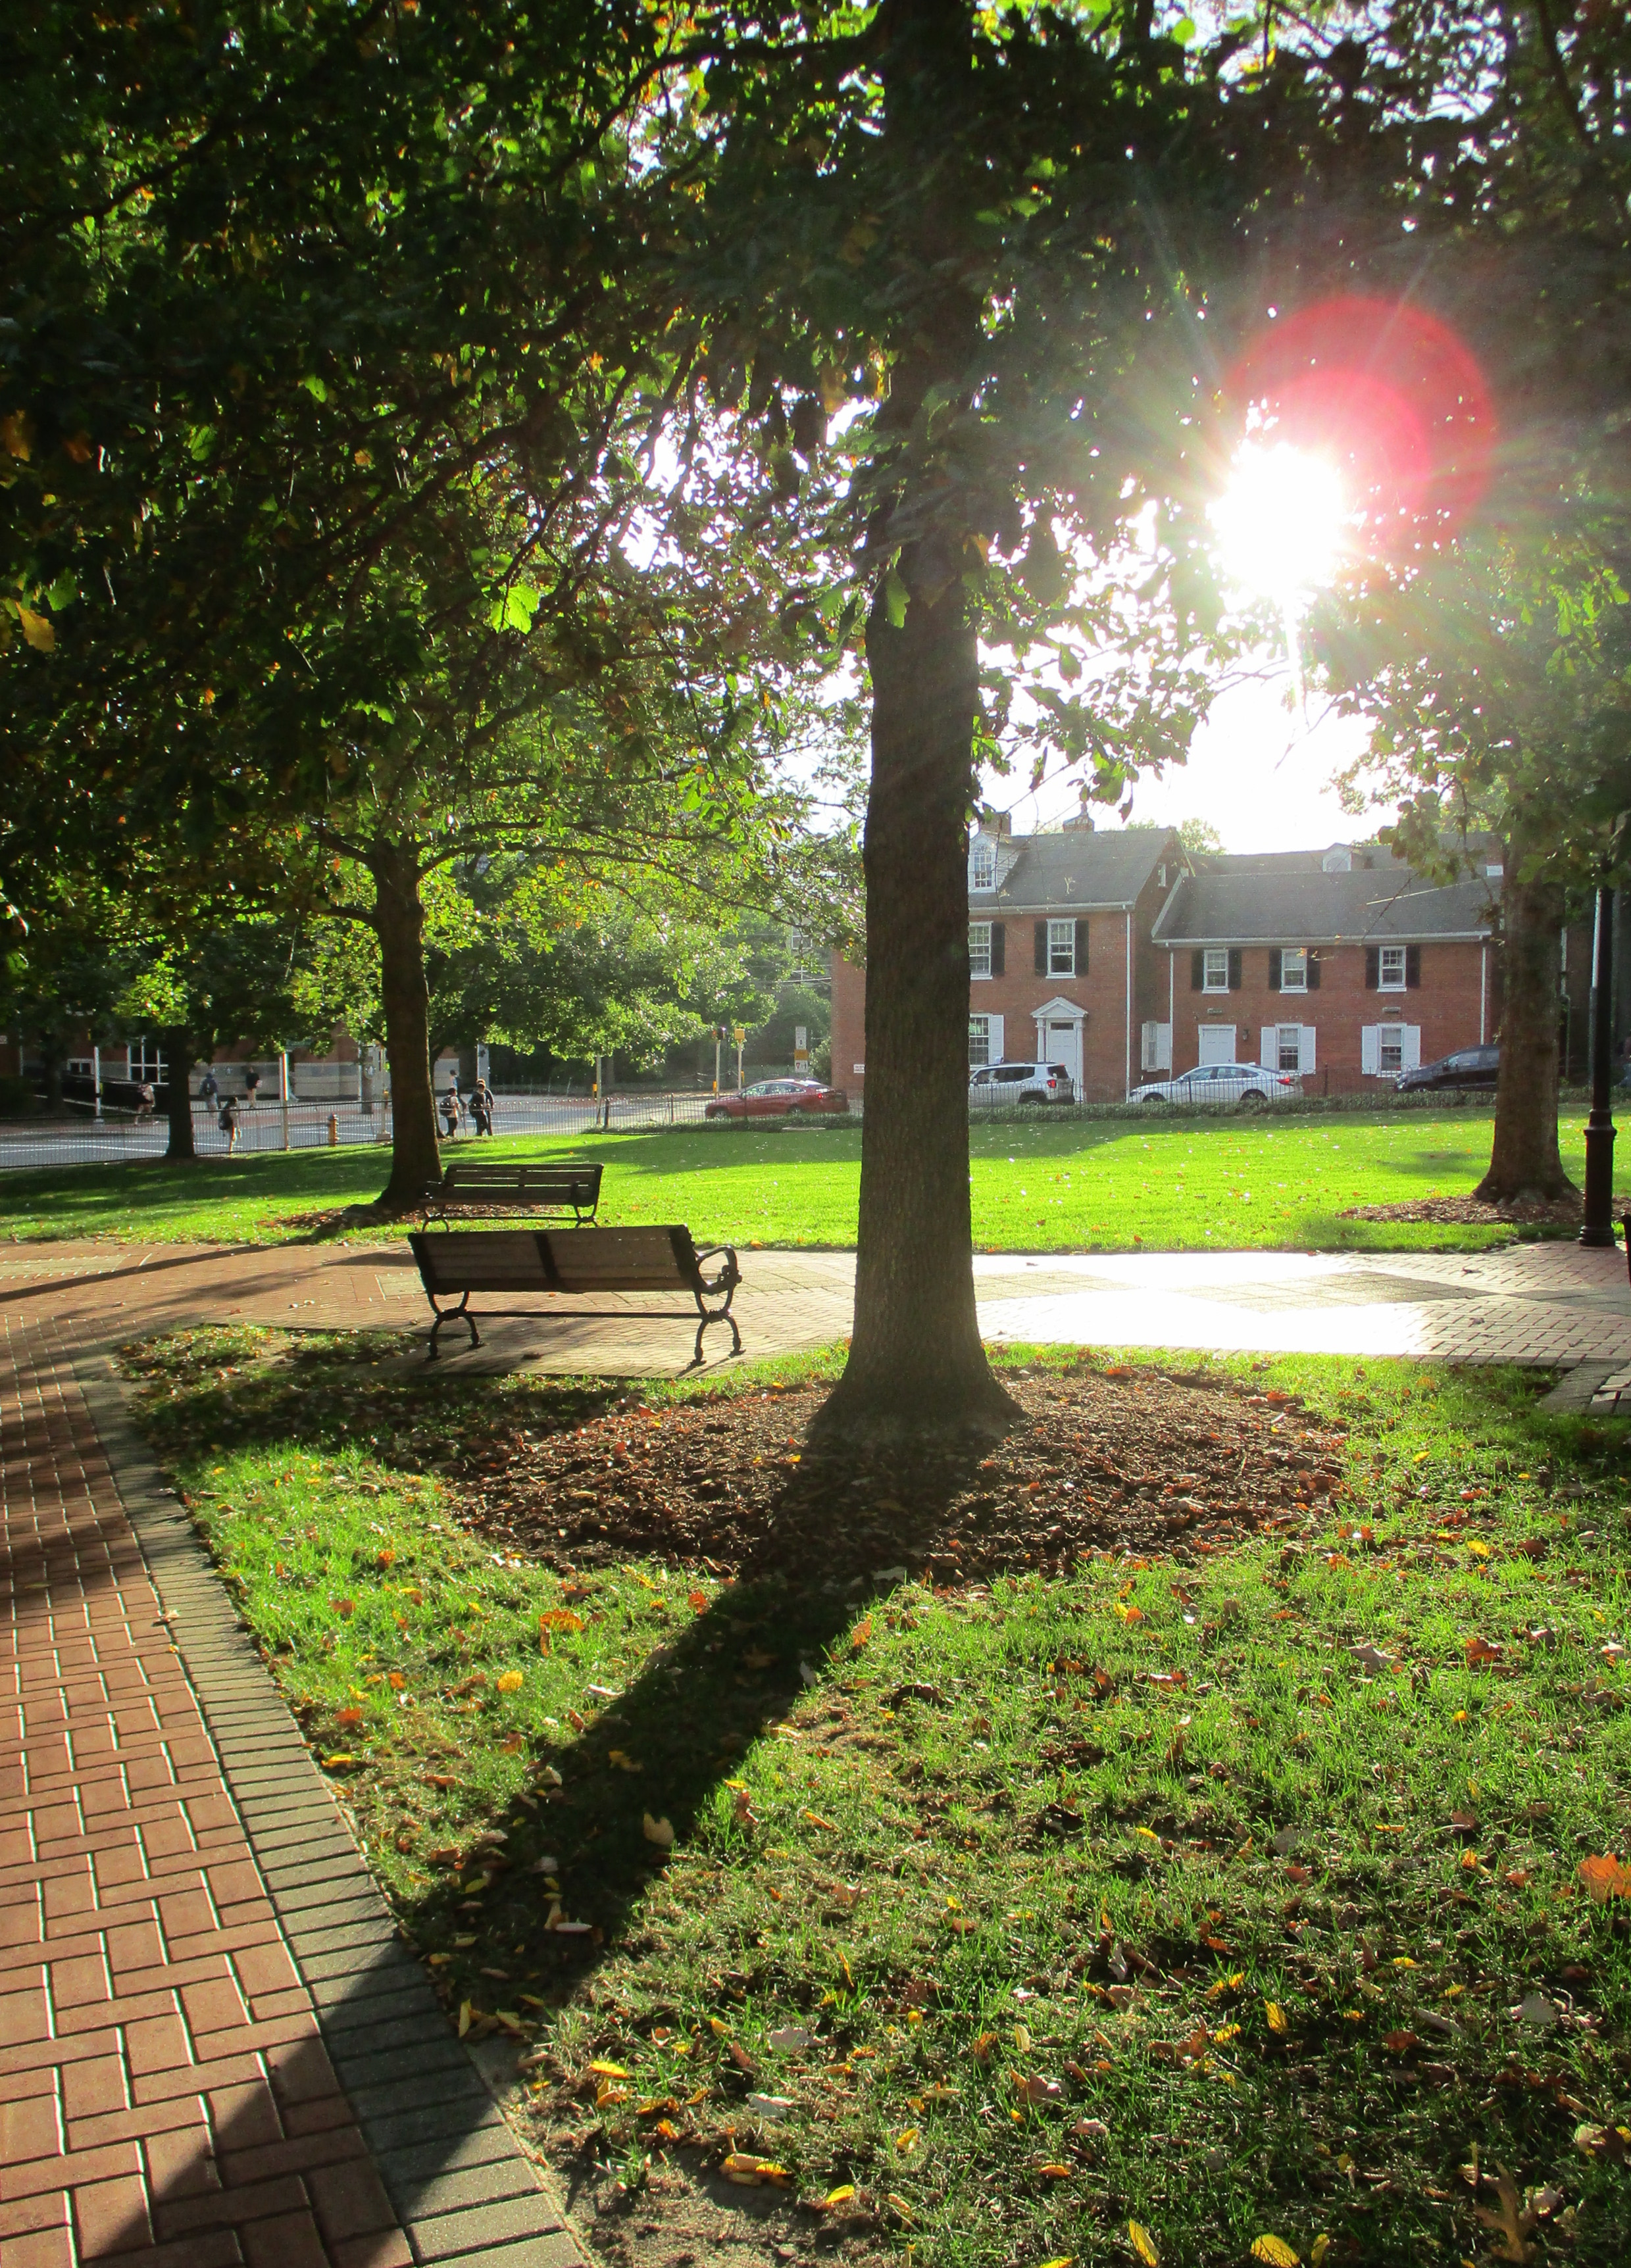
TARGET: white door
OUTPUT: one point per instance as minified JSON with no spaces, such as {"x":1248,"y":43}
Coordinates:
{"x":1063,"y":1045}
{"x":1217,"y":1043}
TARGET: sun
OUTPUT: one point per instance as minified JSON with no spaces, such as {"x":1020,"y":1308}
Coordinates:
{"x":1280,"y":522}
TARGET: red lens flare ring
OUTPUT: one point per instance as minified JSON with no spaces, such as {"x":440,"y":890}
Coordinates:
{"x":1387,"y":395}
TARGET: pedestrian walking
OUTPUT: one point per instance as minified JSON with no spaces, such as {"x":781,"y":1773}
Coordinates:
{"x":252,"y":1086}
{"x":450,"y":1109}
{"x":144,"y":1102}
{"x":227,"y":1121}
{"x":208,"y":1086}
{"x":480,"y":1106}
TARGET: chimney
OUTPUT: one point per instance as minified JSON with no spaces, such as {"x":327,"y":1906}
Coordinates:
{"x":1083,"y":820}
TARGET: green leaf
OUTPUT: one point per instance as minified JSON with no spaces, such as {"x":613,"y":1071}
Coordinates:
{"x":315,"y":387}
{"x":895,"y":597}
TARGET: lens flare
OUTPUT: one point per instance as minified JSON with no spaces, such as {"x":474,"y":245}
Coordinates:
{"x":1280,"y":522}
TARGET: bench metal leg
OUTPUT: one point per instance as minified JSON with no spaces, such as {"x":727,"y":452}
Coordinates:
{"x":459,"y":1314}
{"x":717,"y":1316}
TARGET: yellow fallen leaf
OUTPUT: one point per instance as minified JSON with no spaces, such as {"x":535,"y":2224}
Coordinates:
{"x":560,"y":1618}
{"x":1276,"y":2252}
{"x":1143,"y":2244}
{"x":816,"y":1820}
{"x":841,"y":2195}
{"x":622,"y":1761}
{"x":1278,"y":2021}
{"x":1055,"y":2172}
{"x":1065,"y":2260}
{"x":609,"y":2092}
{"x":1317,"y":2251}
{"x":906,"y":2142}
{"x":660,"y":1831}
{"x":511,"y":1682}
{"x":464,"y":2018}
{"x":610,"y":2070}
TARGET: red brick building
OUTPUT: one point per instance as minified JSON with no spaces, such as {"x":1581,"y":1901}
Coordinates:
{"x":1124,"y":959}
{"x":1062,"y":965}
{"x":1342,"y":964}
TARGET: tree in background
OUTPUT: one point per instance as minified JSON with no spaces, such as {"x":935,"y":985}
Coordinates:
{"x":1498,"y":685}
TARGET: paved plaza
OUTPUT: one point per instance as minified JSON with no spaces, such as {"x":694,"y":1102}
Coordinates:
{"x":213,"y":2049}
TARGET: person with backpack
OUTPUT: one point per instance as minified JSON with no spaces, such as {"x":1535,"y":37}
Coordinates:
{"x":227,"y":1121}
{"x":480,"y":1106}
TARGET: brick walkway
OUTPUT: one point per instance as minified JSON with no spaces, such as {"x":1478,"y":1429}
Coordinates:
{"x":204,"y":2017}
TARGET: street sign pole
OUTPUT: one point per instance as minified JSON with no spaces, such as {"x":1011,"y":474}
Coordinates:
{"x":1598,"y":1228}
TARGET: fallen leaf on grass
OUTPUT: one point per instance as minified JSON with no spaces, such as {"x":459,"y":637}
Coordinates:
{"x":770,"y":2106}
{"x":609,"y":2070}
{"x":511,"y":1682}
{"x":1055,"y":2172}
{"x":816,"y":1820}
{"x":982,"y":2047}
{"x":1065,"y":2260}
{"x":348,"y":1720}
{"x":1278,"y":2022}
{"x":1400,"y":2043}
{"x":343,"y":1608}
{"x":1611,"y":2142}
{"x":1038,"y":2090}
{"x":697,"y":1601}
{"x":1512,"y":2222}
{"x":1143,"y":2243}
{"x":660,"y":1831}
{"x":559,"y":1619}
{"x":1275,"y":2252}
{"x":1317,"y":2251}
{"x":842,"y":2195}
{"x":1482,"y":1649}
{"x":1605,"y":1878}
{"x":906,"y":2142}
{"x":748,"y":2171}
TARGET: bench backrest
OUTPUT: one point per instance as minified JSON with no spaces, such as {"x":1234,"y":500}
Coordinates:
{"x":556,"y":1259}
{"x":621,"y":1259}
{"x":573,"y":1185}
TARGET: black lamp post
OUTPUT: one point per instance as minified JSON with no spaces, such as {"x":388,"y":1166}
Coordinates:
{"x":1598,"y":1226}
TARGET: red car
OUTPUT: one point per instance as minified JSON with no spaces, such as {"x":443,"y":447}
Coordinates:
{"x":779,"y":1098}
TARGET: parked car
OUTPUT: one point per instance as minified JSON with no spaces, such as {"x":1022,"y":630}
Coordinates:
{"x":1467,"y":1067}
{"x":779,"y":1098}
{"x":1001,"y":1086}
{"x":1215,"y":1087}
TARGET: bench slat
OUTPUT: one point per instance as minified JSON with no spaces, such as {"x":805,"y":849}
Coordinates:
{"x":622,"y":1259}
{"x":479,"y":1260}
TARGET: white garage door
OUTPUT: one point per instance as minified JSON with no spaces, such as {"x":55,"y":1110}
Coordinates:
{"x":1217,"y":1043}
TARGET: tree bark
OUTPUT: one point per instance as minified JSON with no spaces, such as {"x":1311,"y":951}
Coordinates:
{"x":916,"y":1361}
{"x":177,"y":1047}
{"x":399,"y":925}
{"x":1525,"y":1166}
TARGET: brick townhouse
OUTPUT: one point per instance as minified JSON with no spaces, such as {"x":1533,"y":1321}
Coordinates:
{"x":1342,"y":964}
{"x":1062,"y":966}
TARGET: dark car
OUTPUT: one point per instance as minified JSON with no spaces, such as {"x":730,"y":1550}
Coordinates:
{"x":1467,"y":1067}
{"x":781,"y":1098}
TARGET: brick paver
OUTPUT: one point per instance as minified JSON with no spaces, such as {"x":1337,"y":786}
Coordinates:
{"x":198,"y":1983}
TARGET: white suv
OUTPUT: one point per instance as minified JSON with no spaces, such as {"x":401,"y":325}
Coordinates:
{"x":1001,"y":1086}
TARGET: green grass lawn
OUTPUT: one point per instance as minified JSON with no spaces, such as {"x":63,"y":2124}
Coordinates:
{"x":1317,"y":1961}
{"x":1037,"y":1184}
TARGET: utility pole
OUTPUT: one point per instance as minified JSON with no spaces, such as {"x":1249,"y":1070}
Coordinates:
{"x":1598,"y":1226}
{"x":740,"y":1034}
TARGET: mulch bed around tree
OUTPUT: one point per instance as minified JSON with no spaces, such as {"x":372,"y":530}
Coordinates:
{"x":1120,"y":1460}
{"x":1475,"y":1212}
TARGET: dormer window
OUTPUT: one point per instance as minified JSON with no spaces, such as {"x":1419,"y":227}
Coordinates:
{"x":1337,"y":860}
{"x":983,"y":864}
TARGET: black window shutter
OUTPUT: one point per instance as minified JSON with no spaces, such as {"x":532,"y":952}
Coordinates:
{"x":1413,"y":965}
{"x":1082,"y":948}
{"x":1313,"y":971}
{"x":1373,"y":967}
{"x":998,"y":936}
{"x":1273,"y":968}
{"x":1198,"y":971}
{"x":1234,"y":969}
{"x":1041,"y":948}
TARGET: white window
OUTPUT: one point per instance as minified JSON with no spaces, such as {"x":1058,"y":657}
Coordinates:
{"x":979,"y":948}
{"x":1156,"y":1051}
{"x":984,"y":1040}
{"x":1287,"y":1046}
{"x":1391,"y":969}
{"x":983,"y":864}
{"x":1061,"y":948}
{"x":1294,"y":968}
{"x":1215,"y":969}
{"x":1337,"y":861}
{"x":1386,"y":1049}
{"x":146,"y":1062}
{"x":80,"y":1066}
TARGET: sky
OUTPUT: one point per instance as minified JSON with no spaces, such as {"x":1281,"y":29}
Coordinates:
{"x":1259,"y":772}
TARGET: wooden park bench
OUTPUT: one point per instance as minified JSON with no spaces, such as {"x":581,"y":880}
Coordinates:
{"x":518,"y":1188}
{"x":455,"y":1262}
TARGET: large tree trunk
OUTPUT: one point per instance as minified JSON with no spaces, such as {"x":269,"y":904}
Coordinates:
{"x":399,"y":925}
{"x":177,"y":1047}
{"x":916,"y":1361}
{"x":1525,"y":1166}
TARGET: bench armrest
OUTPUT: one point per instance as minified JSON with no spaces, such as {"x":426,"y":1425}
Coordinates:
{"x":729,"y":1275}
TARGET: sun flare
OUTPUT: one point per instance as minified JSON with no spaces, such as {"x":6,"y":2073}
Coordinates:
{"x":1280,"y":522}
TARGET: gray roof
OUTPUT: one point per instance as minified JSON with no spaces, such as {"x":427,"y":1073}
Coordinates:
{"x":1249,"y":901}
{"x":1077,"y":867}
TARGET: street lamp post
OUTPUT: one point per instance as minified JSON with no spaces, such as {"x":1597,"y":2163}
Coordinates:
{"x":1598,"y":1226}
